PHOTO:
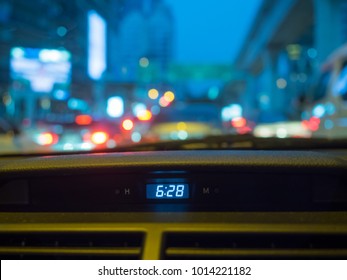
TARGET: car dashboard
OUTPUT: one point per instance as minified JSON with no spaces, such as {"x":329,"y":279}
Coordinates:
{"x":211,"y":204}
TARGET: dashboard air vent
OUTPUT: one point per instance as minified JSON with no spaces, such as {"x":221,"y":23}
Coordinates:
{"x":75,"y":245}
{"x":254,"y":246}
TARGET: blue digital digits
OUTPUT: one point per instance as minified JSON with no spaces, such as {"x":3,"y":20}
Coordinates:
{"x":167,"y":191}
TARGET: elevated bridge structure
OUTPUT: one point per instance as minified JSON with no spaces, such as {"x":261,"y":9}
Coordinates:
{"x":283,"y":51}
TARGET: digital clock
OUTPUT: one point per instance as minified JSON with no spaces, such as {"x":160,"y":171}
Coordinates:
{"x":167,"y":191}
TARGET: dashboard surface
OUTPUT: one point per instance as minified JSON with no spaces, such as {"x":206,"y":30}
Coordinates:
{"x":175,"y":205}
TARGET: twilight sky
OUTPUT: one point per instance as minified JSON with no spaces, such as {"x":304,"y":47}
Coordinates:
{"x":211,"y":31}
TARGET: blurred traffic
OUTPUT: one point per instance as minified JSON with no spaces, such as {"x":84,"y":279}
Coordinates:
{"x":75,"y":77}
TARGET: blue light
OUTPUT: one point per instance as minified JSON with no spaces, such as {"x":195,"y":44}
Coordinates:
{"x":97,"y":45}
{"x":318,"y":111}
{"x":17,"y":52}
{"x":329,"y":124}
{"x":312,"y":53}
{"x":232,"y":111}
{"x":213,"y":93}
{"x":77,"y":104}
{"x":136,"y":137}
{"x":61,"y":31}
{"x":155,"y":109}
{"x":330,"y":108}
{"x":61,"y":94}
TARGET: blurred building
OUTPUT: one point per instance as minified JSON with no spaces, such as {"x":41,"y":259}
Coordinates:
{"x":132,"y":44}
{"x":283,"y":51}
{"x":145,"y":41}
{"x":160,"y":28}
{"x":49,"y":24}
{"x":35,"y":25}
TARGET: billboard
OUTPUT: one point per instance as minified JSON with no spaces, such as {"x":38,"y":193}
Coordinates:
{"x":42,"y":70}
{"x":96,"y":45}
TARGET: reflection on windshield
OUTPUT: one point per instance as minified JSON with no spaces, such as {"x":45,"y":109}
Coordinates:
{"x":85,"y":75}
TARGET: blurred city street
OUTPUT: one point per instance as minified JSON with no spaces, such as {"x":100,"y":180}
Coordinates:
{"x":86,"y":75}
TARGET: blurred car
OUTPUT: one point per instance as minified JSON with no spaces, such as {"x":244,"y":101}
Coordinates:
{"x":83,"y":134}
{"x":185,"y":121}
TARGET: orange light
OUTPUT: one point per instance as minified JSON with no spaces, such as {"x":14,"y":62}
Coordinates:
{"x":83,"y":119}
{"x":305,"y":124}
{"x":163,"y":102}
{"x":238,"y":122}
{"x":153,"y":93}
{"x":127,"y":124}
{"x":169,"y":96}
{"x":144,"y":115}
{"x":99,"y":138}
{"x":46,"y":139}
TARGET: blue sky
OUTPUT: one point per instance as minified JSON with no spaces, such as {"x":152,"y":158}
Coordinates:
{"x":211,"y":31}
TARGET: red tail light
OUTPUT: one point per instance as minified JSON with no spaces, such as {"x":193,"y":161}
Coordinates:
{"x":312,"y":124}
{"x":244,"y":130}
{"x":239,"y":122}
{"x":83,"y":119}
{"x":99,"y":137}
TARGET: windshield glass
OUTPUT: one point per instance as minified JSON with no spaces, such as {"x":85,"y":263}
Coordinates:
{"x":89,"y":75}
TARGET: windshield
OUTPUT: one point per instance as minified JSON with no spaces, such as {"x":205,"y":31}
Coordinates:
{"x":89,"y":75}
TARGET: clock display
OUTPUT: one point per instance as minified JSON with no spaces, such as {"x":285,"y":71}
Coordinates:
{"x":167,"y":191}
